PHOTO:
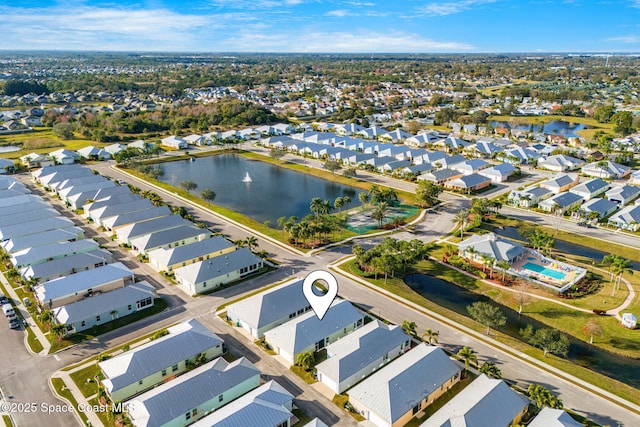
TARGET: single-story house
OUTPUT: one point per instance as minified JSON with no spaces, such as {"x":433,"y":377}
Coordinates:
{"x":39,"y":174}
{"x":422,"y":139}
{"x":606,"y":169}
{"x":9,"y":183}
{"x":374,"y":132}
{"x":519,"y":155}
{"x":120,"y":220}
{"x":108,"y":199}
{"x":603,"y":207}
{"x":114,"y":148}
{"x":359,"y":354}
{"x":395,"y":136}
{"x":498,"y":173}
{"x":174,"y":142}
{"x":403,"y":388}
{"x":72,"y":288}
{"x":549,"y":417}
{"x":452,"y":144}
{"x":561,"y":182}
{"x":591,"y":188}
{"x":484,"y":399}
{"x":623,"y":195}
{"x":98,"y":211}
{"x":468,"y":183}
{"x":66,"y":193}
{"x":68,"y":265}
{"x":27,"y":216}
{"x":269,"y":405}
{"x":5,"y":165}
{"x":471,"y":166}
{"x":492,"y":245}
{"x":415,"y":170}
{"x":94,"y":153}
{"x":628,"y":218}
{"x":449,"y":161}
{"x":348,"y":129}
{"x":126,"y":233}
{"x":441,"y":176}
{"x":78,"y":200}
{"x":356,"y":159}
{"x":141,"y":145}
{"x":51,"y":251}
{"x":529,"y":197}
{"x":104,"y":307}
{"x":634,"y":178}
{"x":560,"y":163}
{"x":269,"y":309}
{"x":167,"y":259}
{"x":392,"y":166}
{"x":561,"y":203}
{"x":151,"y":363}
{"x":432,"y":157}
{"x":182,"y":235}
{"x":308,"y":333}
{"x":483,"y":149}
{"x":195,"y":139}
{"x":35,"y":160}
{"x":193,"y":395}
{"x":33,"y":240}
{"x":36,"y":227}
{"x":215,"y":272}
{"x":63,"y":156}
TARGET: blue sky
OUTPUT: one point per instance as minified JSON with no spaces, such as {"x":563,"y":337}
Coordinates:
{"x":324,"y":25}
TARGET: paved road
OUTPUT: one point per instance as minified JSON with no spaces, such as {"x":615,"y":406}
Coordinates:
{"x":24,"y":385}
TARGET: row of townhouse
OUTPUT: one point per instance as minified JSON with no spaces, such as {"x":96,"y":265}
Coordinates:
{"x":199,"y":260}
{"x":72,"y":276}
{"x":183,"y":379}
{"x":389,"y":379}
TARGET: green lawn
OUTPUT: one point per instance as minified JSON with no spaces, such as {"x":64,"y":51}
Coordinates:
{"x":61,"y":390}
{"x":43,"y":137}
{"x":307,"y":376}
{"x":89,"y":373}
{"x":34,"y":344}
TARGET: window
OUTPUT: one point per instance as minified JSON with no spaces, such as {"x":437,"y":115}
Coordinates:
{"x":220,"y":398}
{"x":140,"y":382}
{"x":82,"y":323}
{"x":143,"y":303}
{"x":97,"y":318}
{"x":300,"y":312}
{"x":164,"y":372}
{"x":188,"y":415}
{"x":174,"y":368}
{"x":359,"y":322}
{"x":194,"y":412}
{"x":129,"y":307}
{"x":416,"y":408}
{"x":385,"y":358}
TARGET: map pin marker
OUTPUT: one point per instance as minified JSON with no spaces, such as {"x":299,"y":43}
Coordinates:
{"x":320,"y":303}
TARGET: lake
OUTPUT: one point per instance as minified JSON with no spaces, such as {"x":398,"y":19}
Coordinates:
{"x":556,"y":127}
{"x":272,"y":193}
{"x":457,"y":298}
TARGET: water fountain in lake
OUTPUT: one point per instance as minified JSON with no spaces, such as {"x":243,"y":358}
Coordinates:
{"x":247,"y":178}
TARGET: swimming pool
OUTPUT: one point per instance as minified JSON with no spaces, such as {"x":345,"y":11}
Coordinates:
{"x":554,"y":274}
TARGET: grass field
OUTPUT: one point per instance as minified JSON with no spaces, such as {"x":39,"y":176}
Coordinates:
{"x":61,"y":390}
{"x":82,"y":376}
{"x":42,"y":140}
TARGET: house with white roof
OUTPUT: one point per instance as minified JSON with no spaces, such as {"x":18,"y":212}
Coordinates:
{"x":359,"y":354}
{"x":63,"y":156}
{"x":628,"y":218}
{"x":561,"y":203}
{"x":129,"y":232}
{"x":39,"y":174}
{"x":492,"y":245}
{"x":68,"y":265}
{"x":308,"y":333}
{"x":269,"y":405}
{"x":27,"y":216}
{"x":549,"y":417}
{"x":498,"y":173}
{"x":469,"y":167}
{"x":591,"y":188}
{"x":373,"y":132}
{"x":269,"y":309}
{"x":94,"y":153}
{"x":193,"y":395}
{"x":66,"y":193}
{"x":484,"y":399}
{"x":72,"y":288}
{"x":529,"y":197}
{"x":422,"y":139}
{"x":623,"y":195}
{"x":33,"y":240}
{"x":108,"y":199}
{"x":172,"y":237}
{"x":400,"y":390}
{"x":210,"y":274}
{"x":35,"y":160}
{"x":195,"y":139}
{"x":452,"y":144}
{"x":102,"y":308}
{"x":174,"y":142}
{"x":167,"y":259}
{"x":51,"y":251}
{"x":114,"y":148}
{"x":441,"y":176}
{"x":634,"y":178}
{"x":78,"y":200}
{"x":606,"y":169}
{"x":63,"y":184}
{"x":395,"y":136}
{"x":35,"y":227}
{"x":483,"y":149}
{"x":519,"y":155}
{"x":561,"y":182}
{"x":143,"y":367}
{"x":560,"y":163}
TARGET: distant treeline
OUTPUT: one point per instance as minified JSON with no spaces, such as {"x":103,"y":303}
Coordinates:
{"x":22,"y":87}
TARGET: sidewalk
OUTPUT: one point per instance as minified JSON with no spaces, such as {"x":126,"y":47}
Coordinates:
{"x":27,"y":318}
{"x":75,"y":391}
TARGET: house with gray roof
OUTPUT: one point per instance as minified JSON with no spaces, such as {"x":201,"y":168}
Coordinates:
{"x":51,"y":251}
{"x":400,"y":390}
{"x":68,"y":265}
{"x":392,"y":166}
{"x":415,"y":170}
{"x":395,"y":136}
{"x":78,"y":200}
{"x":492,"y":245}
{"x":591,"y":188}
{"x":561,"y":203}
{"x":68,"y":192}
{"x":183,"y":235}
{"x":471,"y":166}
{"x":103,"y":201}
{"x":10,"y":183}
{"x":529,"y":197}
{"x":269,"y":405}
{"x":628,"y":218}
{"x":72,"y":288}
{"x":145,"y":366}
{"x":66,"y":182}
{"x":520,"y":155}
{"x":453,"y":144}
{"x":38,"y":174}
{"x":498,"y":173}
{"x":166,"y":259}
{"x":607,"y":170}
{"x":560,"y":163}
{"x":432,"y":157}
{"x":9,"y":194}
{"x":549,"y":417}
{"x":440,"y":176}
{"x":129,"y":232}
{"x":33,"y":240}
{"x":215,"y":272}
{"x":110,"y":208}
{"x":64,"y":156}
{"x":193,"y":395}
{"x":468,"y":183}
{"x":623,"y":195}
{"x":450,"y":161}
{"x":102,"y":308}
{"x":34,"y":227}
{"x":561,"y":182}
{"x":359,"y":354}
{"x":602,"y":207}
{"x":120,"y":220}
{"x":484,"y":399}
{"x":269,"y":309}
{"x":27,"y":216}
{"x":6,"y":164}
{"x":308,"y":333}
{"x":18,"y":200}
{"x":484,"y":149}
{"x":31,"y":205}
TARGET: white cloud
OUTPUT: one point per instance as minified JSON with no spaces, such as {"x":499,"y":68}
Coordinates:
{"x":254,"y":4}
{"x":340,"y":13}
{"x":624,"y":39}
{"x":340,"y":42}
{"x":449,"y":8}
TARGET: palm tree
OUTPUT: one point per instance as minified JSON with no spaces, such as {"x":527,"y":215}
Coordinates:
{"x":208,"y":195}
{"x":490,"y":369}
{"x":488,"y":260}
{"x":461,"y":219}
{"x":504,"y":266}
{"x":603,"y":165}
{"x":59,"y":331}
{"x":379,"y":213}
{"x":338,"y":203}
{"x":468,"y":355}
{"x":346,"y":200}
{"x":471,"y":252}
{"x":620,"y":266}
{"x":13,"y":274}
{"x":409,"y":327}
{"x":432,"y":336}
{"x":364,"y":198}
{"x":306,"y":360}
{"x":316,"y":206}
{"x":251,"y":242}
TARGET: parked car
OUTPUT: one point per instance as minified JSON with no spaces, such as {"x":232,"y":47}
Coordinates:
{"x":582,"y":224}
{"x":600,"y":312}
{"x":8,"y":310}
{"x":3,"y":300}
{"x":14,"y":323}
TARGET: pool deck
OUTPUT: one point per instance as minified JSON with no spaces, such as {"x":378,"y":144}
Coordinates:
{"x":570,"y":272}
